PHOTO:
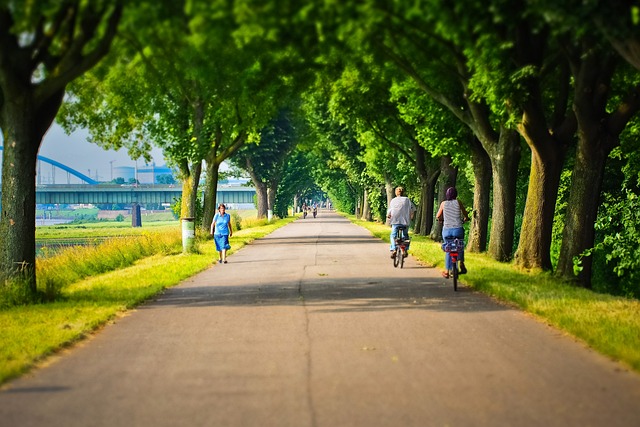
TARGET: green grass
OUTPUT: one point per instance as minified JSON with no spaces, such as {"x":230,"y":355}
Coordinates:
{"x":78,"y":262}
{"x":101,"y":229}
{"x":30,"y":333}
{"x":608,"y":324}
{"x":67,"y":213}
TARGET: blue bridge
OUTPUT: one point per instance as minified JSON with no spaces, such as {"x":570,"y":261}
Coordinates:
{"x":65,"y":168}
{"x":93,"y":192}
{"x":111,"y":194}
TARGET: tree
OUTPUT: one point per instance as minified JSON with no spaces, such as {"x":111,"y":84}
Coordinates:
{"x":554,"y":57}
{"x":620,"y":23}
{"x":297,"y":182}
{"x":168,"y":97}
{"x":517,"y":73}
{"x":203,"y":85}
{"x":44,"y":45}
{"x":389,"y":122}
{"x":615,"y":254}
{"x":607,"y":96}
{"x":336,"y":164}
{"x":265,"y":161}
{"x":429,"y":43}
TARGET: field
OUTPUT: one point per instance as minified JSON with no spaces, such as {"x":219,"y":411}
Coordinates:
{"x":53,"y":237}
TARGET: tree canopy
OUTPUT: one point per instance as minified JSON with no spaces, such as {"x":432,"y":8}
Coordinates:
{"x":531,"y":107}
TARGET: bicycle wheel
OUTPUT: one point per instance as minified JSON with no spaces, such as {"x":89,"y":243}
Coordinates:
{"x":397,"y":257}
{"x":455,"y":276}
{"x":400,"y":255}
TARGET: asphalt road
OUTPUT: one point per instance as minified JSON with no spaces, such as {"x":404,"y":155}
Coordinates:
{"x":312,"y":326}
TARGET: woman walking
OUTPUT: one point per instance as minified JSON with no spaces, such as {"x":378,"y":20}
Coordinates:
{"x":221,"y":230}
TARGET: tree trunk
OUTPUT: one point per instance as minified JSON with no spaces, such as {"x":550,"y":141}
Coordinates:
{"x":428,"y":170}
{"x":33,"y":79}
{"x":448,"y":177}
{"x":421,"y":226}
{"x":18,"y":223}
{"x":478,"y":231}
{"x":362,"y":193}
{"x":190,"y":177}
{"x":366,"y":207}
{"x":417,"y":224}
{"x":261,"y":190}
{"x":271,"y":195}
{"x":23,"y":125}
{"x":389,"y":191}
{"x":210,"y":192}
{"x":262,"y":199}
{"x":388,"y":188}
{"x":427,"y":200}
{"x":505,"y":158}
{"x":548,"y":139}
{"x":537,"y":224}
{"x":217,"y":154}
{"x":582,"y":208}
{"x":503,"y":150}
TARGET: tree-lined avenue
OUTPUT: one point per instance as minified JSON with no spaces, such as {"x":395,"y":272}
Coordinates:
{"x":312,"y":326}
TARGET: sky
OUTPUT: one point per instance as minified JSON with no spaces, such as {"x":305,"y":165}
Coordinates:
{"x":77,"y":153}
{"x":85,"y":157}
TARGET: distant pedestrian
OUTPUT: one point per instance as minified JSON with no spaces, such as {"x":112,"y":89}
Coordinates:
{"x":221,"y":230}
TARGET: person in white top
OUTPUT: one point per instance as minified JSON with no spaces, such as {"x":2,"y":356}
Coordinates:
{"x":452,"y":214}
{"x":400,"y":213}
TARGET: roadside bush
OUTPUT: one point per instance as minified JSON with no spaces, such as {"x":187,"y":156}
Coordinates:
{"x":618,"y":247}
{"x":236,"y":221}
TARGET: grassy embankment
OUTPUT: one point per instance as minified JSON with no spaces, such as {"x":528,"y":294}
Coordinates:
{"x":91,"y":285}
{"x":608,"y":324}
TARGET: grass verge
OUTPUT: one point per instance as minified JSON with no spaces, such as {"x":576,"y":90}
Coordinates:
{"x":608,"y":324}
{"x":30,"y":333}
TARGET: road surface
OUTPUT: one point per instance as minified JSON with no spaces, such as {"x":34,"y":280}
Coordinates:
{"x":312,"y":326}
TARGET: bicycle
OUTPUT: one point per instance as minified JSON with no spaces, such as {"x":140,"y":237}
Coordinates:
{"x":453,"y":245}
{"x":401,"y":247}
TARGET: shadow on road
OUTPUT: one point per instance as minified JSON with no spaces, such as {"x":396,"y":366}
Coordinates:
{"x":345,"y":295}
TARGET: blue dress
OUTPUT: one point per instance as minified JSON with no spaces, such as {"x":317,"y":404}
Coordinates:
{"x":221,"y":231}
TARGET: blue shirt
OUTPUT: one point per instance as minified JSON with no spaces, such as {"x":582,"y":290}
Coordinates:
{"x":222,"y":223}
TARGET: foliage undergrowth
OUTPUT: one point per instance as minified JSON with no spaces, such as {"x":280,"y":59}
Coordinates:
{"x":608,"y":324}
{"x":89,"y":298}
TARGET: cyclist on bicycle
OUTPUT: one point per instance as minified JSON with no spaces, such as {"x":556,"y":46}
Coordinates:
{"x":400,"y":214}
{"x":453,"y":214}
